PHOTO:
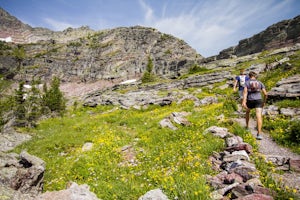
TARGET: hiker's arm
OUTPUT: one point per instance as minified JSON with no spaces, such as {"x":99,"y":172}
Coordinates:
{"x":244,"y":103}
{"x":234,"y":85}
{"x":265,"y":94}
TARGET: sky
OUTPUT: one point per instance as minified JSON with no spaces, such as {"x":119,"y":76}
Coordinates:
{"x":208,"y":26}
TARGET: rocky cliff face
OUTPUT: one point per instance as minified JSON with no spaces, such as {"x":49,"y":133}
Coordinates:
{"x":86,"y":55}
{"x":13,"y":30}
{"x":282,"y":34}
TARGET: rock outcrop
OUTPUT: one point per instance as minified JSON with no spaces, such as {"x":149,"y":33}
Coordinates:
{"x":20,"y":33}
{"x":286,"y":88}
{"x":145,"y":95}
{"x":21,"y":176}
{"x":237,"y":174}
{"x":282,"y":34}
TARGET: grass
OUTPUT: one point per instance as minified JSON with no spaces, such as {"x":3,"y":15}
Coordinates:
{"x":288,"y":103}
{"x":284,"y":131}
{"x":282,"y":128}
{"x":265,"y":172}
{"x":174,"y":161}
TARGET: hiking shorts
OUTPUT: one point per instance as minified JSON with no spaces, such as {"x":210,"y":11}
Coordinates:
{"x":255,"y":103}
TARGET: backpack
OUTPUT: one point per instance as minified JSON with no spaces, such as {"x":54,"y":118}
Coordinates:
{"x":242,"y":80}
{"x":254,"y":86}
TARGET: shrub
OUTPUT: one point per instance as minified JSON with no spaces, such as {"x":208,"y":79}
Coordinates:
{"x":230,"y":105}
{"x":19,"y":55}
{"x":293,"y":131}
{"x":196,"y":68}
{"x":288,"y":103}
{"x":53,"y":98}
{"x":20,"y":111}
{"x":148,"y":76}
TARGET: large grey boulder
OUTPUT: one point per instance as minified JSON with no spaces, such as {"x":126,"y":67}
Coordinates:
{"x":23,"y":175}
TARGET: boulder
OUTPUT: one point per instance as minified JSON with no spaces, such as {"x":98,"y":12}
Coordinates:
{"x":256,"y":197}
{"x":178,"y":117}
{"x":167,"y":123}
{"x":295,"y":165}
{"x":236,"y":155}
{"x":246,"y":172}
{"x":218,"y":131}
{"x":74,"y":192}
{"x":241,"y":190}
{"x":155,"y":194}
{"x":233,"y":141}
{"x":23,"y":175}
{"x":240,"y":146}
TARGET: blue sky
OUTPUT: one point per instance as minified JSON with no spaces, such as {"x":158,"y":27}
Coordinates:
{"x":209,"y":26}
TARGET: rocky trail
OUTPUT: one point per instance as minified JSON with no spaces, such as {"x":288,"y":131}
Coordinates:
{"x":282,"y":157}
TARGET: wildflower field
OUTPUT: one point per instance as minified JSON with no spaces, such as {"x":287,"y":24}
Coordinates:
{"x":175,"y":161}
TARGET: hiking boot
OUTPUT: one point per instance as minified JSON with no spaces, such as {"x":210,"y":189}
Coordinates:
{"x":259,"y":137}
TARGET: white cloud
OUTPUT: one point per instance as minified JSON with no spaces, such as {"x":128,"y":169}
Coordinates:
{"x":148,"y":11}
{"x":211,"y":26}
{"x":58,"y":25}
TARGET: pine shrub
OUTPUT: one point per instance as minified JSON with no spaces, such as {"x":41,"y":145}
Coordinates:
{"x":53,"y":98}
{"x":148,"y":76}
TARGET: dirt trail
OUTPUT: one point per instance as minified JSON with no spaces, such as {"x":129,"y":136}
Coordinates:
{"x":267,"y":147}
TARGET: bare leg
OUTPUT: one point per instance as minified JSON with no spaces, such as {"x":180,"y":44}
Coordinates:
{"x":247,"y":117}
{"x":259,"y":119}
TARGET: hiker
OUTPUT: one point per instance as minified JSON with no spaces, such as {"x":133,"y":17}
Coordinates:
{"x":240,"y":83}
{"x":253,"y":99}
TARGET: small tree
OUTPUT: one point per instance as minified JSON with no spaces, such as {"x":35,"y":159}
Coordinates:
{"x":148,"y":76}
{"x":34,"y":105}
{"x":20,"y":109}
{"x":53,"y":98}
{"x":19,"y":54}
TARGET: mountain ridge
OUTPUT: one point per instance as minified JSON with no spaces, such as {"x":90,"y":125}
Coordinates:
{"x":85,"y":55}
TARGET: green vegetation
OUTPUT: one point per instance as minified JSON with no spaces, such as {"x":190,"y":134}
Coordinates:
{"x":148,"y":75}
{"x":197,"y":69}
{"x":287,"y":103}
{"x":284,"y":131}
{"x":165,"y":37}
{"x":6,"y":105}
{"x":30,"y":104}
{"x":4,"y":48}
{"x":53,"y":98}
{"x":74,"y":44}
{"x":265,"y":170}
{"x":168,"y":52}
{"x":172,"y":160}
{"x":175,"y":161}
{"x":19,"y":54}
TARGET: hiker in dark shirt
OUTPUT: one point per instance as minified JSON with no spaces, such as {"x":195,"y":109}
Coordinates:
{"x":252,"y":98}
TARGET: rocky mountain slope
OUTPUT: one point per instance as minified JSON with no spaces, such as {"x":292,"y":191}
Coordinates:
{"x":85,"y":55}
{"x":282,"y":34}
{"x":14,"y":30}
